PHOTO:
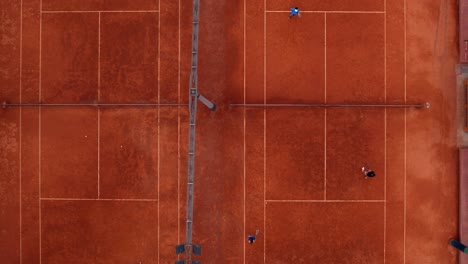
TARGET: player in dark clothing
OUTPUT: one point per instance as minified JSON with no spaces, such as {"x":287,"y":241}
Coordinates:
{"x":367,"y":172}
{"x":251,"y":239}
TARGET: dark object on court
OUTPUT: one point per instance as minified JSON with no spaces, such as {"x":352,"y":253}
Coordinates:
{"x":183,"y":262}
{"x":196,"y":249}
{"x":459,"y":246}
{"x":207,"y":102}
{"x":251,"y":239}
{"x":367,"y":172}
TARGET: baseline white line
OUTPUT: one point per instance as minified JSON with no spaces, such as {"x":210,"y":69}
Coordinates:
{"x":331,"y":12}
{"x":95,"y":199}
{"x":325,"y":201}
{"x":20,"y":134}
{"x":98,"y":11}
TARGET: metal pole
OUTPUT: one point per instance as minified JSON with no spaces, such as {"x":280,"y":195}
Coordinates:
{"x":189,"y":248}
{"x":193,"y":100}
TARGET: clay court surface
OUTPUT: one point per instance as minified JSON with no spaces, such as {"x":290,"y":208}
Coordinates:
{"x":107,"y":184}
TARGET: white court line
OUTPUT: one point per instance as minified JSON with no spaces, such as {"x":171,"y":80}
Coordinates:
{"x":244,"y":110}
{"x":99,"y":11}
{"x":178,"y":135}
{"x":244,"y":174}
{"x":20,"y":134}
{"x":178,"y":177}
{"x":325,"y":112}
{"x":159,"y":117}
{"x":40,"y":52}
{"x":405,"y":165}
{"x":404,"y":199}
{"x":325,"y":201}
{"x":264,"y":131}
{"x":40,"y":130}
{"x":40,"y":179}
{"x":99,"y":58}
{"x":264,"y":51}
{"x":99,"y":152}
{"x":385,"y":185}
{"x":325,"y":52}
{"x":101,"y":199}
{"x":325,"y":157}
{"x":99,"y":109}
{"x":331,"y":12}
{"x":385,"y":134}
{"x":20,"y":183}
{"x":264,"y":185}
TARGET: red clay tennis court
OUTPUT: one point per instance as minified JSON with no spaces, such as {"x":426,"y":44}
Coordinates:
{"x":98,"y":172}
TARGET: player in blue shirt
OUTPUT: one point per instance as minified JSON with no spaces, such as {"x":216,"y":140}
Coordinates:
{"x":252,"y":238}
{"x":294,"y":11}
